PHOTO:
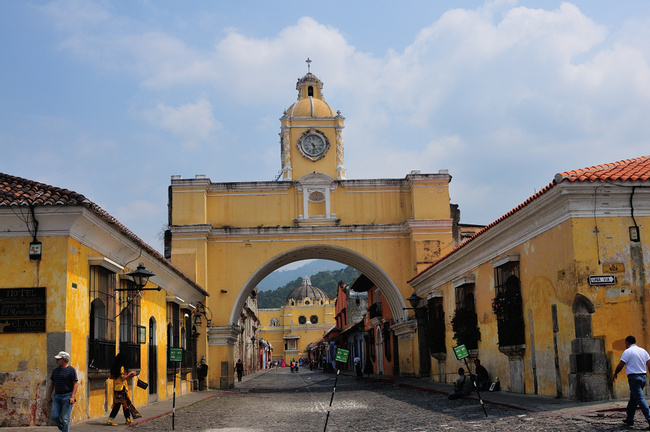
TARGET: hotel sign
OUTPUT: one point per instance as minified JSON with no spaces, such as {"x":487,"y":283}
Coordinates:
{"x":22,"y":310}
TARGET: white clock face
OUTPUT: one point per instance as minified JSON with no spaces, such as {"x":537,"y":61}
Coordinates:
{"x":313,"y":145}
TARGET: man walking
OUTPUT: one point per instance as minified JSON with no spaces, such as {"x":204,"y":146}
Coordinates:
{"x":64,"y":385}
{"x":635,"y":360}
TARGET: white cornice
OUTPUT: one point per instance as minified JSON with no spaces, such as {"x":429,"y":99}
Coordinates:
{"x":106,"y":263}
{"x":420,"y":224}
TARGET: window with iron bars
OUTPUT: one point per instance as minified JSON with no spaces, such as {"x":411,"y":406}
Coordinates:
{"x":464,"y":323}
{"x":507,"y":305}
{"x":437,"y":327}
{"x":188,"y":351}
{"x":101,"y":343}
{"x":129,"y":318}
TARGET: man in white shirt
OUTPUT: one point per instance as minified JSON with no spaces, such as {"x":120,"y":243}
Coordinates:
{"x":635,"y":360}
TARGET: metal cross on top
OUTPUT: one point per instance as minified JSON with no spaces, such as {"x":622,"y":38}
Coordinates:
{"x":308,"y":65}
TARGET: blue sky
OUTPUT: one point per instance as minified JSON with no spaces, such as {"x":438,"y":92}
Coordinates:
{"x":111,"y":99}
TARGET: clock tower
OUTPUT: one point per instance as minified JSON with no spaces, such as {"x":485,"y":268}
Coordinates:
{"x":310,"y":137}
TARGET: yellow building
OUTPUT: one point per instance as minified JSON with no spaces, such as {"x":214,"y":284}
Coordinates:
{"x":306,"y":316}
{"x":65,"y":287}
{"x":229,"y":236}
{"x":554,"y":286}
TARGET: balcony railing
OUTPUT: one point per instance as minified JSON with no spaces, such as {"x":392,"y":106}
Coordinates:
{"x":374,"y":310}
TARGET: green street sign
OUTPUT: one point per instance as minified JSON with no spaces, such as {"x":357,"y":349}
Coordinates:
{"x":342,"y":355}
{"x":176,"y":354}
{"x":461,"y":352}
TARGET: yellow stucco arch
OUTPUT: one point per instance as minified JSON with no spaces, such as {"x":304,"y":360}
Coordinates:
{"x":229,"y":236}
{"x":333,"y":253}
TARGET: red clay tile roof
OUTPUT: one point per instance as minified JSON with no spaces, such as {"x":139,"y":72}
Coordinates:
{"x":22,"y":192}
{"x":18,"y":191}
{"x":628,"y":170}
{"x":631,"y":170}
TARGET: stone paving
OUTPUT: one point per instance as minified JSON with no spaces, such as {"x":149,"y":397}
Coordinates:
{"x":284,"y":401}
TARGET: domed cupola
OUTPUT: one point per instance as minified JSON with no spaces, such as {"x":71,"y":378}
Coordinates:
{"x":307,"y":294}
{"x":310,"y":136}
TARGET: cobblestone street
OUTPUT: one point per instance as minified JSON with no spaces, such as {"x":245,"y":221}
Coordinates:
{"x":282,"y":401}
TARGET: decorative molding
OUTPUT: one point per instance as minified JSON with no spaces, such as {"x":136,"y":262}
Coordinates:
{"x":504,"y":260}
{"x":223,"y":335}
{"x":405,"y":330}
{"x":464,"y":280}
{"x":106,"y":263}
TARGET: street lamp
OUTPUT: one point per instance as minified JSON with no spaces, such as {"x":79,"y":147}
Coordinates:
{"x":414,"y":300}
{"x":140,"y":278}
{"x":202,"y":311}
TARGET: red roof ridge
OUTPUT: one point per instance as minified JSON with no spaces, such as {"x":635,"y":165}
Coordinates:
{"x":610,"y":171}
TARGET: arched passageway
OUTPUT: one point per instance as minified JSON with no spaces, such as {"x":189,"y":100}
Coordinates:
{"x":333,"y":253}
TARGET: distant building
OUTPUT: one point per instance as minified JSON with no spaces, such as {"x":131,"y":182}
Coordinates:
{"x":351,"y":307}
{"x":308,"y":313}
{"x":248,"y":341}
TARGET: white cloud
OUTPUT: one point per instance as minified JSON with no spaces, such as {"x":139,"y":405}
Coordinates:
{"x":193,"y":122}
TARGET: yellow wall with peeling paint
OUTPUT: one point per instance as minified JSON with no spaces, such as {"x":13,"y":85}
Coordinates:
{"x":554,"y":267}
{"x":26,"y":366}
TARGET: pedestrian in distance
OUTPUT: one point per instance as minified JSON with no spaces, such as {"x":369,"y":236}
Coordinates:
{"x":121,"y":399}
{"x":357,"y":367}
{"x":64,"y":385}
{"x":239,"y":367}
{"x":202,"y":373}
{"x":636,"y":362}
{"x":462,"y":386}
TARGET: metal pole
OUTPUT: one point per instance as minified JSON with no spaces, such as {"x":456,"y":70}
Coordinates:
{"x":174,"y":398}
{"x":332,"y":398}
{"x":475,"y":386}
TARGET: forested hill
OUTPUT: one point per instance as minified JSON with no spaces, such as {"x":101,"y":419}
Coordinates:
{"x":325,"y":280}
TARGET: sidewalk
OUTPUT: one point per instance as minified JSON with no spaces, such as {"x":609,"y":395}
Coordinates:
{"x":149,"y":412}
{"x":526,"y":402}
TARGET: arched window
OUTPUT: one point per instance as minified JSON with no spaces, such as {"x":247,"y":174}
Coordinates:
{"x":97,"y":320}
{"x":582,"y":310}
{"x":275,"y":322}
{"x":310,"y":91}
{"x":302,"y":319}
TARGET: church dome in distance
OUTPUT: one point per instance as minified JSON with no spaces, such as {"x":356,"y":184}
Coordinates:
{"x":307,"y":292}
